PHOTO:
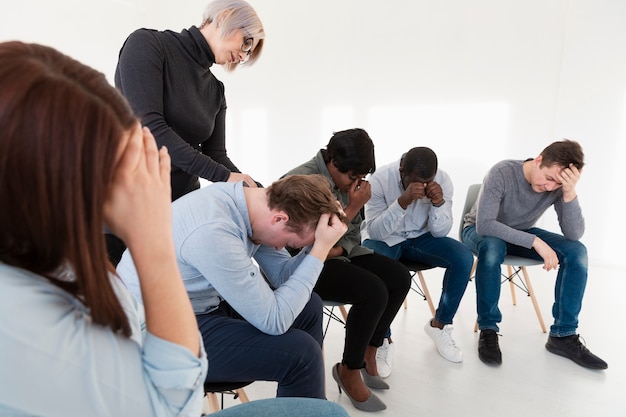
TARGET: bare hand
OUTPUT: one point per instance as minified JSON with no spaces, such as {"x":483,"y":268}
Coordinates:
{"x":360,"y":192}
{"x":569,"y":177}
{"x":236,"y":177}
{"x":434,"y":192}
{"x":414,"y":191}
{"x":329,"y":230}
{"x":550,"y":260}
{"x":138,"y":204}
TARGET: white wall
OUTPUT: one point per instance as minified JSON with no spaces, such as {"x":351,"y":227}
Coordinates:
{"x":478,"y":81}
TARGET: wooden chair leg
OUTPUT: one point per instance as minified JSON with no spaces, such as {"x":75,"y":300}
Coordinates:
{"x":344,"y":313}
{"x":531,"y":293}
{"x":509,"y":270}
{"x":243,"y":397}
{"x":214,"y":404}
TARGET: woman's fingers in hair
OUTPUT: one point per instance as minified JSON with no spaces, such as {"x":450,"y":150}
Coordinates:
{"x":140,"y":196}
{"x":158,"y":161}
{"x":129,"y":155}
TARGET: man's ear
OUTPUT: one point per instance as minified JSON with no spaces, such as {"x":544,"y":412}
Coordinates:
{"x":278,"y":217}
{"x":538,"y":160}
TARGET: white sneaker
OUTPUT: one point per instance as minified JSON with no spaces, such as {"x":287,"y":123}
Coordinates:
{"x":445,"y":344}
{"x":384,"y":356}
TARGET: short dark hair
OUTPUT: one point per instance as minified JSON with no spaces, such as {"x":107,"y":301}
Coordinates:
{"x":351,"y":150}
{"x":420,"y":161}
{"x":563,"y":153}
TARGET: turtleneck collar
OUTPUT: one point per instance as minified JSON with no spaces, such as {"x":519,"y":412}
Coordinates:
{"x":199,"y":48}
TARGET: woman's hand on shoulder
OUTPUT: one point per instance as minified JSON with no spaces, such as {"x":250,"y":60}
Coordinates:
{"x":236,"y":177}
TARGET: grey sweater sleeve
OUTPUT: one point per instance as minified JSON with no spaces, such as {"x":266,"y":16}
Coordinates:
{"x":508,"y":206}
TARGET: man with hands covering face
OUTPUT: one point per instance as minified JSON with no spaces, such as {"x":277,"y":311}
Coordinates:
{"x":408,"y":218}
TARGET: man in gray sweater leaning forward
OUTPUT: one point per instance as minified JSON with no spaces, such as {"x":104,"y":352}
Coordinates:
{"x":513,"y":196}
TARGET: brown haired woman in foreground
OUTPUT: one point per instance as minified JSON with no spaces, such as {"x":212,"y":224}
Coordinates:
{"x":72,"y":158}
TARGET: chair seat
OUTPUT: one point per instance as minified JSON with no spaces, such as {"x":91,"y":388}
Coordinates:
{"x":519,"y":261}
{"x":415,"y":266}
{"x":224,"y":386}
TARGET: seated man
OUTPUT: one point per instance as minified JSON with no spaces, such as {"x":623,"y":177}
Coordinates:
{"x":253,"y":328}
{"x":513,"y":196}
{"x":408,"y":217}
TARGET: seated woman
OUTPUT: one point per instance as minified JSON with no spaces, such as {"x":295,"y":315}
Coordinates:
{"x":74,"y":342}
{"x":373,"y":284}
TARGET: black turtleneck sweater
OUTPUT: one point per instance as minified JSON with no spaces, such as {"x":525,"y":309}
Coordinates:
{"x":166,"y":78}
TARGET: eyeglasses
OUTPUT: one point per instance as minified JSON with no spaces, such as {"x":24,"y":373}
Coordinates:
{"x":246,"y":47}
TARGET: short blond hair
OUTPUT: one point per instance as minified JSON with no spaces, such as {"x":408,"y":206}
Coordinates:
{"x":304,"y":198}
{"x":234,"y":15}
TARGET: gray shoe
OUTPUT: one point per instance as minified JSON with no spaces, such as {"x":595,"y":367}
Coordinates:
{"x":375,"y":382}
{"x":373,"y":403}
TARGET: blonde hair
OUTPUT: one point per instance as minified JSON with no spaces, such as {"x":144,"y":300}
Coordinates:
{"x":232,"y":16}
{"x":304,"y":198}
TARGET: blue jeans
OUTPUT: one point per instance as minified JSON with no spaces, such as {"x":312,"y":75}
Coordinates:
{"x":238,"y":351}
{"x":569,"y":289}
{"x":443,"y":252}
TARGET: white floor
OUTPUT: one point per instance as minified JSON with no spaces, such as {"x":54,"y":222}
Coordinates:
{"x":531,"y":381}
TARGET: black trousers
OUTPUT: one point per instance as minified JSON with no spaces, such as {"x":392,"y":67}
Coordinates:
{"x":375,"y":286}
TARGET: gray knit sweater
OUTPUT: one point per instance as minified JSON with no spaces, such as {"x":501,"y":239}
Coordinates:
{"x":507,"y":206}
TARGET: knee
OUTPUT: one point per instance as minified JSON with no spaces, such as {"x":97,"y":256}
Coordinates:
{"x":399,"y":279}
{"x":375,"y":293}
{"x":306,"y":351}
{"x":465,"y":258}
{"x":491,"y":252}
{"x":575,"y":253}
{"x":313,"y":310}
{"x":315,"y":303}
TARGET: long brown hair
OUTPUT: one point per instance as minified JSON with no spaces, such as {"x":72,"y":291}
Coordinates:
{"x":60,"y":128}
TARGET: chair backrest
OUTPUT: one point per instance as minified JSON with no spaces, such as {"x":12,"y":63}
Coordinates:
{"x":470,"y":199}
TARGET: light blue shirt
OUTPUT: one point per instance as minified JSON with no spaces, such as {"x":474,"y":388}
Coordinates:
{"x":214,"y":252}
{"x":55,"y":362}
{"x":387,"y":221}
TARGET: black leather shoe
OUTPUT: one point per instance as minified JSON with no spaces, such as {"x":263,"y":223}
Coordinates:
{"x":572,"y":348}
{"x":488,"y":348}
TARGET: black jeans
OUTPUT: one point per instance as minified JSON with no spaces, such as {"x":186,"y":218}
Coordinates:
{"x":375,"y":286}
